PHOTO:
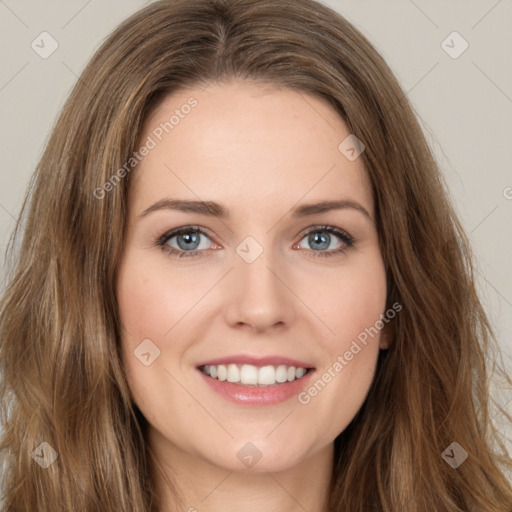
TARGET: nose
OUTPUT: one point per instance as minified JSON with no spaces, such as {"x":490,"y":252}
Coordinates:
{"x":259,"y":296}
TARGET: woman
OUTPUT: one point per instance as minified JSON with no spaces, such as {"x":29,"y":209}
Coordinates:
{"x":141,"y":375}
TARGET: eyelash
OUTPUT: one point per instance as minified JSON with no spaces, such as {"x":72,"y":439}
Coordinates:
{"x":348,"y":240}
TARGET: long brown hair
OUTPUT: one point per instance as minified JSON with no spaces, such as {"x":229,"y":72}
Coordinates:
{"x":62,"y":378}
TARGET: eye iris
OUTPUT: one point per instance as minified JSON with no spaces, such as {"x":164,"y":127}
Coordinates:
{"x":323,"y":239}
{"x":194,"y":239}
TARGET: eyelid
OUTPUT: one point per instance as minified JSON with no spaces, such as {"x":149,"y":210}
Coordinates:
{"x":185,"y":229}
{"x":328,"y":228}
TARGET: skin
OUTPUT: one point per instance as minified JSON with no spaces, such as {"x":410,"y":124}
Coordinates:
{"x":259,"y":151}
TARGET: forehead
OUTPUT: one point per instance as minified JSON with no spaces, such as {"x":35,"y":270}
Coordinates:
{"x":247,"y":144}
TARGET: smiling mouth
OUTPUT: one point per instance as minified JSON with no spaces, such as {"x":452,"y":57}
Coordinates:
{"x":254,"y":376}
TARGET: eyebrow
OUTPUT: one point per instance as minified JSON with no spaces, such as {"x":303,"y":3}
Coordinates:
{"x":214,"y":209}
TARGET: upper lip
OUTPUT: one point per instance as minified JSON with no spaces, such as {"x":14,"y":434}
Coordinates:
{"x":256,"y":361}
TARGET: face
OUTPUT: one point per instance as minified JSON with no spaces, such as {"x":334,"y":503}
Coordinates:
{"x":267,"y":287}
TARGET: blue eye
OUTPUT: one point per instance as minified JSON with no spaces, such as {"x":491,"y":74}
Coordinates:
{"x":320,"y":237}
{"x":188,"y":240}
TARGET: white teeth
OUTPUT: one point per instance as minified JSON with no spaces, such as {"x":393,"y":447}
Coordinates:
{"x":222,"y":372}
{"x":281,"y":373}
{"x":233,"y":373}
{"x":250,"y":375}
{"x":267,"y":375}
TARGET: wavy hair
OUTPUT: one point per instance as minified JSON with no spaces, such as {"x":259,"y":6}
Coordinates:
{"x":62,"y":381}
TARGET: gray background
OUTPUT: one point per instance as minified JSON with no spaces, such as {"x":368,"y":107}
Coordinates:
{"x":464,"y":104}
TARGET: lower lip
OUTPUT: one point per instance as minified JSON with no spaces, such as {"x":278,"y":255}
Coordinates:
{"x":255,"y":395}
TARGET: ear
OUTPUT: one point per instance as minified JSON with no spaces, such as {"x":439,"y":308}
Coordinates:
{"x":386,"y":336}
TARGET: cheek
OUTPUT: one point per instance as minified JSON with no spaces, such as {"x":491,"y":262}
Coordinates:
{"x":151,"y":300}
{"x":351,"y":308}
{"x":350,"y":301}
{"x":149,"y":306}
